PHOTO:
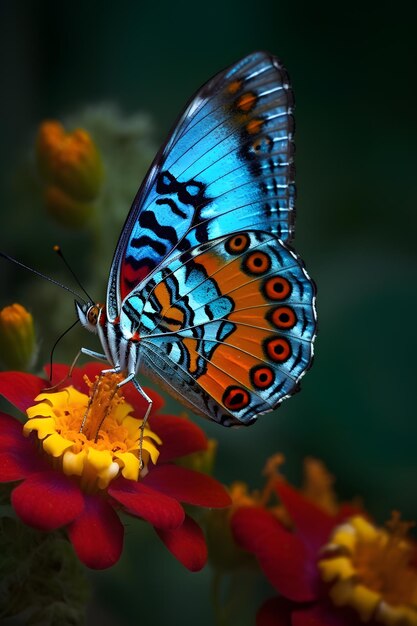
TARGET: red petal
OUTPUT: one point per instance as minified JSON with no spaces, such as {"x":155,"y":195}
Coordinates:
{"x":60,"y":374}
{"x":97,"y":534}
{"x":274,"y":612}
{"x":323,"y":615}
{"x":187,"y":544}
{"x":10,"y":426}
{"x":20,"y":389}
{"x":281,"y":555}
{"x":157,"y":509}
{"x":139,"y":403}
{"x":187,"y":486}
{"x":312,"y":523}
{"x":47,"y":500}
{"x":16,"y":466}
{"x":18,"y":455}
{"x":11,"y":432}
{"x":180,"y":436}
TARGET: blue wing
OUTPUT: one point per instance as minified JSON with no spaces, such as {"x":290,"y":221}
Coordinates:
{"x":227,"y":166}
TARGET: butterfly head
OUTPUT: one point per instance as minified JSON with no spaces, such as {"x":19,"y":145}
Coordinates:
{"x":89,"y":314}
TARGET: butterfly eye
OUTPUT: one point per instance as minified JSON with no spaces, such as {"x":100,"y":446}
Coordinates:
{"x":92,"y":314}
{"x":257,"y":263}
{"x":237,"y":244}
{"x":277,"y":288}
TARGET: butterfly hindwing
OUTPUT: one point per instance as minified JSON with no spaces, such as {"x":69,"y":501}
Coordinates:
{"x":227,"y":166}
{"x":227,"y":326}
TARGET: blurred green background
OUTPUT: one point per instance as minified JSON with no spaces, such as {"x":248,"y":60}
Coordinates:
{"x":353,"y":73}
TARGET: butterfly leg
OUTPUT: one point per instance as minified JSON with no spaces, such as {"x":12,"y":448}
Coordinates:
{"x":92,"y":353}
{"x":128,"y":379}
{"x":86,"y":351}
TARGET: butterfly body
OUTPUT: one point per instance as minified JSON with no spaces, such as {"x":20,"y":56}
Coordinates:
{"x":204,"y":294}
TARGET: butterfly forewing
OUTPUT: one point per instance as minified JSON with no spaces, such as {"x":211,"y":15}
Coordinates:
{"x":227,"y":166}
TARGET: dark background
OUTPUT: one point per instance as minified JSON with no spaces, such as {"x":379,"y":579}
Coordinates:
{"x":353,"y":71}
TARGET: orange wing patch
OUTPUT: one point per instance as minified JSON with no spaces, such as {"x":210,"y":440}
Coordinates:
{"x":246,"y":102}
{"x":172,"y":315}
{"x":254,"y":126}
{"x":234,"y":86}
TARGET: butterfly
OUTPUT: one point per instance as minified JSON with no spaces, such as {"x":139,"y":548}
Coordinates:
{"x":205,"y":295}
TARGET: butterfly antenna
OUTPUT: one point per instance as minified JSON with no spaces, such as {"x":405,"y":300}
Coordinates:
{"x":55,"y":345}
{"x":48,"y":278}
{"x":59,"y":252}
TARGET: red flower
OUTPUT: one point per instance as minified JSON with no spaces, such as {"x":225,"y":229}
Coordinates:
{"x":51,"y":494}
{"x":329,"y":573}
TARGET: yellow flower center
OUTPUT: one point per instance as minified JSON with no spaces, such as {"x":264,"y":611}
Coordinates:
{"x":369,"y":569}
{"x":94,"y":437}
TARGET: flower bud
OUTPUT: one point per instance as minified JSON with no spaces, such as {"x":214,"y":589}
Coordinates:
{"x":65,"y":210}
{"x":17,"y":338}
{"x":72,"y":169}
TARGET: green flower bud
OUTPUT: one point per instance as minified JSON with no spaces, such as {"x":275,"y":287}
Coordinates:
{"x":17,"y":338}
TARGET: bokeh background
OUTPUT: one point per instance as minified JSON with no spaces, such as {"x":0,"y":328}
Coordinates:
{"x":353,"y":73}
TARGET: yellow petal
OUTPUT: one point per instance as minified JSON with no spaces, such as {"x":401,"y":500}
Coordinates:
{"x":73,"y":464}
{"x":43,"y":425}
{"x":153,"y":450}
{"x":150,"y":434}
{"x":396,"y":615}
{"x":121,"y":411}
{"x":130,"y":465}
{"x":99,"y":459}
{"x":132,"y":424}
{"x":365,"y":530}
{"x":345,"y":537}
{"x":360,"y":598}
{"x":365,"y":601}
{"x":43,"y":409}
{"x":338,"y":567}
{"x":69,"y":395}
{"x":107,"y":475}
{"x":55,"y":445}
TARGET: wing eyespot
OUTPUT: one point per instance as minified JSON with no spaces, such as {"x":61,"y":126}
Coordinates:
{"x":257,"y":263}
{"x":235,"y":398}
{"x":277,"y":349}
{"x":237,"y":244}
{"x":262,"y":376}
{"x":283,"y":317}
{"x":262,"y":145}
{"x":277,"y":288}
